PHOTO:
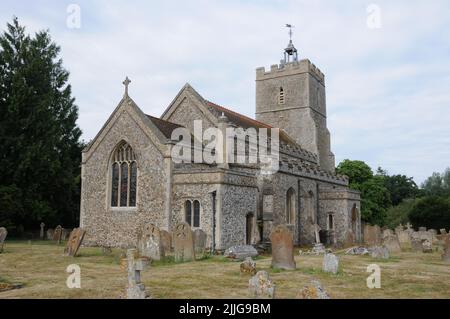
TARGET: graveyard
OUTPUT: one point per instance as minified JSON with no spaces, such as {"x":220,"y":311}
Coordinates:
{"x":38,"y":269}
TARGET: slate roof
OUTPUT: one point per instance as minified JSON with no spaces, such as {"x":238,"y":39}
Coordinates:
{"x":164,"y":126}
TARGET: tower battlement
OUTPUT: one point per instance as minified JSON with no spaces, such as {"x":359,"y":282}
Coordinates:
{"x":302,"y":66}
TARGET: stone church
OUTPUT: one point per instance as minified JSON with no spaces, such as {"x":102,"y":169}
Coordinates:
{"x":129,"y":177}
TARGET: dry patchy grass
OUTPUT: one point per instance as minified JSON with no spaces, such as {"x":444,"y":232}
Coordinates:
{"x":40,"y":267}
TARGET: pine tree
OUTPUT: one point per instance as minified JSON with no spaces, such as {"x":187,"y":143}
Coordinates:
{"x":40,"y":144}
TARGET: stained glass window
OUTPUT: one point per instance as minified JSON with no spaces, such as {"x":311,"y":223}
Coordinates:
{"x":123,"y":177}
{"x":196,"y":222}
{"x":115,"y":184}
{"x":133,"y":178}
{"x":123,"y":184}
{"x":188,"y":211}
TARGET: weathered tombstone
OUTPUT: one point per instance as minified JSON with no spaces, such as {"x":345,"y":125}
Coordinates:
{"x":422,"y":229}
{"x":240,"y":252}
{"x":150,"y":245}
{"x":135,"y":288}
{"x":260,"y":286}
{"x":65,"y":233}
{"x":183,"y":243}
{"x":416,"y":244}
{"x":392,"y":244}
{"x":349,"y":238}
{"x":199,"y":243}
{"x":446,"y":255}
{"x":358,"y":250}
{"x":57,"y":234}
{"x":74,"y":242}
{"x":443,"y":231}
{"x":313,"y":291}
{"x":427,"y":246}
{"x":41,"y":233}
{"x":248,"y":266}
{"x":330,"y":263}
{"x":282,"y":248}
{"x":387,"y":233}
{"x":50,"y":232}
{"x":166,"y":240}
{"x":399,"y":228}
{"x":403,"y":236}
{"x":3,"y":234}
{"x":379,"y":252}
{"x":372,"y":235}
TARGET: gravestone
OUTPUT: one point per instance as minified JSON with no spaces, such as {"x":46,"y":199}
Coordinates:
{"x":199,"y":243}
{"x":422,"y":229}
{"x":372,"y":235}
{"x":65,"y":233}
{"x":135,"y":288}
{"x":74,"y":242}
{"x":3,"y":234}
{"x":358,"y":250}
{"x":387,"y":233}
{"x":183,"y":243}
{"x":57,"y":234}
{"x":392,"y":244}
{"x":149,"y":242}
{"x":427,"y":246}
{"x":282,"y":248}
{"x":416,"y":244}
{"x":248,"y":266}
{"x":50,"y":232}
{"x":41,"y":233}
{"x":166,"y":240}
{"x":403,"y":236}
{"x":446,"y":255}
{"x":330,"y":263}
{"x":260,"y":286}
{"x":313,"y":291}
{"x":379,"y":252}
{"x":443,"y":231}
{"x":240,"y":252}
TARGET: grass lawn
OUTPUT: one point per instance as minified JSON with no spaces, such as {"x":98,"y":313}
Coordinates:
{"x":40,"y":266}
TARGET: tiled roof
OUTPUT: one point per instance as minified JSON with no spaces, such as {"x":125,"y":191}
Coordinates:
{"x":238,"y":119}
{"x":164,"y":126}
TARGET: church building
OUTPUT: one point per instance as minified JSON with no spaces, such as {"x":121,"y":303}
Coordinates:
{"x":130,"y":178}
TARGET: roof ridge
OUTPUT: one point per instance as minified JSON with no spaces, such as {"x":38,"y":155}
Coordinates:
{"x":238,"y":114}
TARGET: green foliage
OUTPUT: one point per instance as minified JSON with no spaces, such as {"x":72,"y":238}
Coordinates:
{"x":358,"y":172}
{"x":39,"y":139}
{"x":399,"y":214}
{"x":437,"y":184}
{"x":431,"y":212}
{"x":400,"y":187}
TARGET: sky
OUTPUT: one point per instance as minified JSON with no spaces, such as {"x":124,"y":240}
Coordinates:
{"x":386,"y":64}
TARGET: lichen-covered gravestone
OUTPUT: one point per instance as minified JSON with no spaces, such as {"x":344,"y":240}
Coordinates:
{"x":50,"y":232}
{"x":57,"y":234}
{"x":74,"y":242}
{"x":260,"y":286}
{"x":379,"y":252}
{"x":150,"y":242}
{"x":372,"y":235}
{"x":330,"y":263}
{"x":282,"y":248}
{"x":313,"y":291}
{"x":391,"y":242}
{"x":65,"y":233}
{"x":427,"y":246}
{"x":166,"y":240}
{"x":416,"y":244}
{"x":3,"y":234}
{"x":248,"y":266}
{"x":199,"y":243}
{"x":183,"y":243}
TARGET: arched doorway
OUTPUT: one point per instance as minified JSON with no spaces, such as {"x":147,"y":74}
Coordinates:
{"x":249,"y":221}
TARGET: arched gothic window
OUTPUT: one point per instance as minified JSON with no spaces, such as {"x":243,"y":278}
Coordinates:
{"x":281,"y":96}
{"x":192,"y":212}
{"x":124,"y":177}
{"x":290,"y":207}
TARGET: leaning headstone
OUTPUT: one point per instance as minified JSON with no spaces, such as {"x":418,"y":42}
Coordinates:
{"x":416,"y":245}
{"x":379,"y":252}
{"x":330,"y":263}
{"x":199,"y":243}
{"x":135,"y":288}
{"x":166,"y":240}
{"x":427,"y":246}
{"x":57,"y":234}
{"x":3,"y":234}
{"x":260,"y":286}
{"x":50,"y":232}
{"x":313,"y":291}
{"x":74,"y":242}
{"x":149,"y":240}
{"x":372,"y":235}
{"x":183,"y":243}
{"x":446,"y":255}
{"x":41,"y":233}
{"x":240,"y":252}
{"x":392,"y":244}
{"x":248,"y":266}
{"x":282,"y":248}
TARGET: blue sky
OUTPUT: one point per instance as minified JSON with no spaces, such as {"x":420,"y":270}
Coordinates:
{"x":388,"y":89}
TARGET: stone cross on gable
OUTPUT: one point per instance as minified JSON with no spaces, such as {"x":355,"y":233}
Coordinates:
{"x":126,"y":83}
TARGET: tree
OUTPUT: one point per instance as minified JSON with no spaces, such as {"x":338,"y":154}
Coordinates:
{"x":358,"y":172}
{"x":437,"y":184}
{"x":431,"y":212}
{"x":399,"y":214}
{"x":375,"y":200}
{"x":400,"y":187}
{"x":39,"y":140}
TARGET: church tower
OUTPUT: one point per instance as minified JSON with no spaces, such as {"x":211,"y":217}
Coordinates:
{"x":291,"y":96}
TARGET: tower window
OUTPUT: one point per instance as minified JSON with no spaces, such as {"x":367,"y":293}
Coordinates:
{"x":192,"y":213}
{"x":281,"y":96}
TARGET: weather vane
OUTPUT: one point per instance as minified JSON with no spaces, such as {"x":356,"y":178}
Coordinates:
{"x":290,"y":26}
